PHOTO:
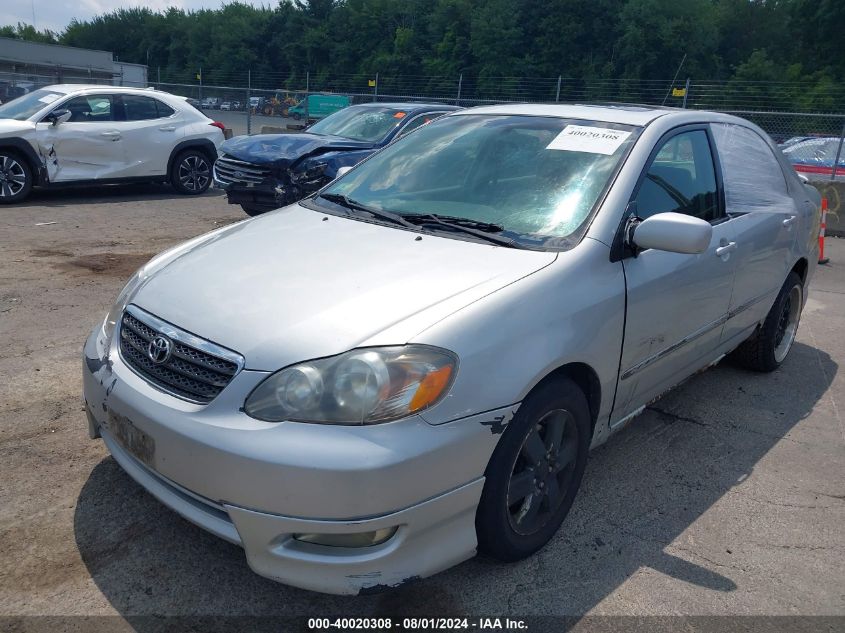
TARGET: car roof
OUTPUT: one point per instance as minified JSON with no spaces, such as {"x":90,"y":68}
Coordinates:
{"x":71,"y":88}
{"x":638,"y":115}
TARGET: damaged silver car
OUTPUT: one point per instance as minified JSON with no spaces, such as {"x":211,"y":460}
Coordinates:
{"x":411,"y":365}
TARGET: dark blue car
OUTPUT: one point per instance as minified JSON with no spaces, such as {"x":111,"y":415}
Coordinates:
{"x":268,"y":171}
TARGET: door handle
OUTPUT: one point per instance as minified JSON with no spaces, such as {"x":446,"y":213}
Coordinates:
{"x":788,"y":221}
{"x":111,"y":134}
{"x":727,"y":248}
{"x":167,"y":128}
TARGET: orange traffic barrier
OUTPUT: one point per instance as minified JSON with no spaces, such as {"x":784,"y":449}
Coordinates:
{"x":822,"y":258}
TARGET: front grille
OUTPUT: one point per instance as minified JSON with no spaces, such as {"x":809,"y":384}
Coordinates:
{"x":190,"y":372}
{"x":228,"y":170}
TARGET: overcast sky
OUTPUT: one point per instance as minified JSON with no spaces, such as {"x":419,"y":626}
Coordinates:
{"x":57,"y":14}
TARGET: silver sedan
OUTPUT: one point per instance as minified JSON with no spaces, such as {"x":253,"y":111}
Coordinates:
{"x":410,"y":366}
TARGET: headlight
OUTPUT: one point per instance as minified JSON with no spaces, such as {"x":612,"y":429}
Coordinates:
{"x":120,"y":304}
{"x":364,"y":386}
{"x":145,"y":272}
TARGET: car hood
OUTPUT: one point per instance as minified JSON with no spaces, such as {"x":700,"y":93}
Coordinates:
{"x":282,"y":150}
{"x":297,"y":284}
{"x":13,"y":126}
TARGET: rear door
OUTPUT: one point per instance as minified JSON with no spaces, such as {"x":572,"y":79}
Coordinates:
{"x":766,"y":223}
{"x":150,"y":129}
{"x":677,"y":303}
{"x":88,"y":146}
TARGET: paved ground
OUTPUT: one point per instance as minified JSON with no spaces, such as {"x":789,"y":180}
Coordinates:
{"x":726,"y":497}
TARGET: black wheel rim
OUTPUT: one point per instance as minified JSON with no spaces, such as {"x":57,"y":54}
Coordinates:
{"x":194,"y":173}
{"x":12,"y":177}
{"x":542,"y":474}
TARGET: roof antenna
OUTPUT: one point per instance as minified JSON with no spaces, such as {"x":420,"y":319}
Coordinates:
{"x":673,"y":79}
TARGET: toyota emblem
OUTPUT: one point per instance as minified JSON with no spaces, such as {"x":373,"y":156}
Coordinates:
{"x":159,"y":349}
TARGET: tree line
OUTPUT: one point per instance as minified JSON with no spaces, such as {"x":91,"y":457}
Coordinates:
{"x":745,"y":41}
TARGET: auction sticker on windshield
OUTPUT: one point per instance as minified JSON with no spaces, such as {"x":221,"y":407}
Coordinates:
{"x":49,"y":98}
{"x":594,"y":140}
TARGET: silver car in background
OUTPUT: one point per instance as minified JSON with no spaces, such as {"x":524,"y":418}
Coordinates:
{"x":368,"y":386}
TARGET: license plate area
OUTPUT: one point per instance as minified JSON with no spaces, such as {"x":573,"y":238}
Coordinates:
{"x":132,"y":439}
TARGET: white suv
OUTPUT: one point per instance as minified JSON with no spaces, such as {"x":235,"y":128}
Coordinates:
{"x":67,"y":134}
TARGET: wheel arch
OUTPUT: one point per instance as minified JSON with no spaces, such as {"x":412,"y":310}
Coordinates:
{"x":202,"y":144}
{"x":801,"y":267}
{"x":586,"y":378}
{"x":22,"y":147}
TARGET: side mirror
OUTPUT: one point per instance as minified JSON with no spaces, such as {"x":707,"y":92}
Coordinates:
{"x":673,"y":232}
{"x":343,"y":170}
{"x":59,"y":116}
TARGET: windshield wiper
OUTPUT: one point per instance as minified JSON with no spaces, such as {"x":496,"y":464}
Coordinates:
{"x":339,"y":198}
{"x":484,"y":230}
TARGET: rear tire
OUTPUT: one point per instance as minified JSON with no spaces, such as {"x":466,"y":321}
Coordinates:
{"x":16,"y":177}
{"x":767,"y":348}
{"x":535,"y":472}
{"x":190,"y":173}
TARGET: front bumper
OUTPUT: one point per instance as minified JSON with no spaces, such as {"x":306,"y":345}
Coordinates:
{"x":256,"y":484}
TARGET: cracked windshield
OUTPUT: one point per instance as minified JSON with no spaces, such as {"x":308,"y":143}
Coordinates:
{"x":536,"y":177}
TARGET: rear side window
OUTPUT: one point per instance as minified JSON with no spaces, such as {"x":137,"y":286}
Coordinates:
{"x":163,"y":109}
{"x":681,"y":178}
{"x":138,"y":108}
{"x":753,"y":177}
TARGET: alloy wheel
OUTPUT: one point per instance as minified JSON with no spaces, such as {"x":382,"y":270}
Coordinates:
{"x":542,"y":473}
{"x":194,"y":172}
{"x":12,"y":177}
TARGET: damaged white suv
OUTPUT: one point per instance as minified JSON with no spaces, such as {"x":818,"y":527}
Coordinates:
{"x":72,"y":134}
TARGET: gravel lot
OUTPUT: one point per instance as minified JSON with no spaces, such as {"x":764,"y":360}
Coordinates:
{"x":726,"y":497}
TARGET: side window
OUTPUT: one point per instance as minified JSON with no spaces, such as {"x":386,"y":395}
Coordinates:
{"x":419,"y":121}
{"x":138,"y":108}
{"x":681,"y":178}
{"x":89,"y":109}
{"x":754,"y":179}
{"x":164,"y":110}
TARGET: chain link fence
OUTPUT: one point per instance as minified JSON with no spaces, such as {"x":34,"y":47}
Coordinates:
{"x":807,"y":122}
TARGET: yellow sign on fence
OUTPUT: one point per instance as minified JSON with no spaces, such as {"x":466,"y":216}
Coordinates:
{"x":679,"y":92}
{"x":371,"y":83}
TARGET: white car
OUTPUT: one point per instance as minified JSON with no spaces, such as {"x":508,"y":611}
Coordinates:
{"x":70,"y":134}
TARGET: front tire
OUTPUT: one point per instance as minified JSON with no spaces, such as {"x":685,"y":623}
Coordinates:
{"x":767,"y":348}
{"x":190,"y":173}
{"x":16,"y":177}
{"x":253,"y":210}
{"x":535,"y":472}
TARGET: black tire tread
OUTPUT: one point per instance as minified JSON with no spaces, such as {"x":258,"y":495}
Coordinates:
{"x":494,"y":538}
{"x":757,"y":351}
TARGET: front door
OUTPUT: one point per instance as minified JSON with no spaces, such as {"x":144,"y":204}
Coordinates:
{"x":88,"y":146}
{"x":677,"y":304}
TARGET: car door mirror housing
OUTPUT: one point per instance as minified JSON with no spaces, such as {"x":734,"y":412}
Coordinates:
{"x":59,"y":116}
{"x":673,"y":232}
